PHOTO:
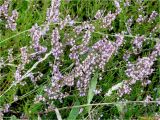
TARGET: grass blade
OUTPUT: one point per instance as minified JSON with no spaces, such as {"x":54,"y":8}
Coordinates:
{"x":92,"y":87}
{"x":74,"y":112}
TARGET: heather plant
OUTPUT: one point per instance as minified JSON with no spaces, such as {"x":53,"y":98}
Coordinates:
{"x":67,"y":59}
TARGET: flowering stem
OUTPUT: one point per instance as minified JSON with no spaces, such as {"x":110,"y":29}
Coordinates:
{"x":35,"y":65}
{"x":27,"y":73}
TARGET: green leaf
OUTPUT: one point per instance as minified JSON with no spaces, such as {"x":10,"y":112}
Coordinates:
{"x":92,"y":87}
{"x":74,"y":112}
{"x":13,"y":117}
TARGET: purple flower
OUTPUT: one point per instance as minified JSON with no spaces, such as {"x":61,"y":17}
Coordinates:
{"x":66,"y":21}
{"x":141,"y":69}
{"x":24,"y":55}
{"x":105,"y":49}
{"x":153,"y":15}
{"x":36,"y":33}
{"x":56,"y":44}
{"x":6,"y":108}
{"x":4,"y":9}
{"x":11,"y":20}
{"x":83,"y":48}
{"x":53,"y":12}
{"x":125,"y":89}
{"x":126,"y":56}
{"x":99,"y":14}
{"x":118,"y":10}
{"x":69,"y":79}
{"x":56,"y":74}
{"x":119,"y":41}
{"x":85,"y":26}
{"x":157,"y":47}
{"x":137,"y":43}
{"x":148,"y":99}
{"x":18,"y":72}
{"x":10,"y":55}
{"x":140,"y":19}
{"x":107,"y":20}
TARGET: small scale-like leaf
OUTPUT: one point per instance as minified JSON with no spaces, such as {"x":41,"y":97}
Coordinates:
{"x":74,"y":112}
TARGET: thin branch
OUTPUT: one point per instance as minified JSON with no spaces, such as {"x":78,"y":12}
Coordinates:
{"x":131,"y":36}
{"x":112,"y":103}
{"x":101,"y":104}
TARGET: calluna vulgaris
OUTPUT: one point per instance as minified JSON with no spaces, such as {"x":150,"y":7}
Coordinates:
{"x":86,"y":56}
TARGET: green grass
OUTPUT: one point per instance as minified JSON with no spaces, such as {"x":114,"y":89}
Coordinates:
{"x":34,"y":11}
